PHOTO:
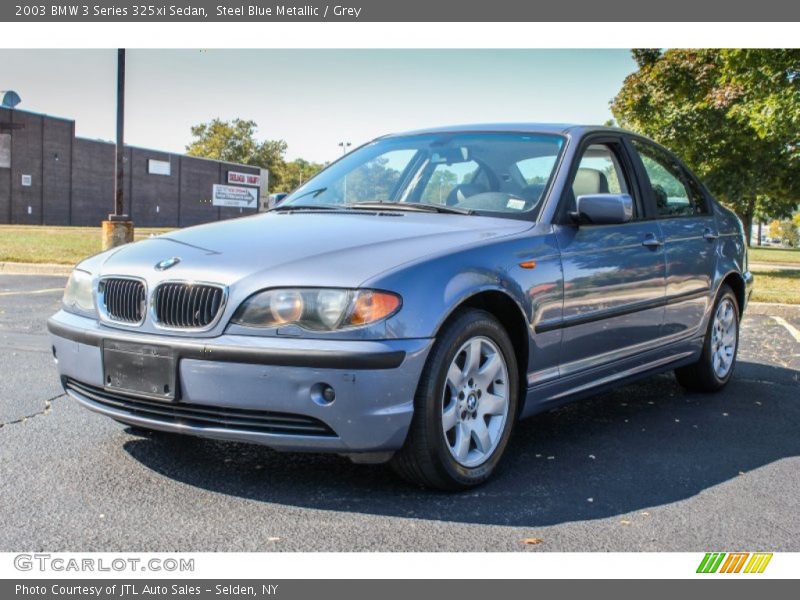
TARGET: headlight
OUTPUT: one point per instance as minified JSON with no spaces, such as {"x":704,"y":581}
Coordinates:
{"x":324,"y":309}
{"x":78,"y":297}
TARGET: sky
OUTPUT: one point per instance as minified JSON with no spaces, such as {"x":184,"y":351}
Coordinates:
{"x":313,"y":99}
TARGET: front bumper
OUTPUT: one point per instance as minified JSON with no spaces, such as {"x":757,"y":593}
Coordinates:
{"x":238,"y":388}
{"x":748,"y":287}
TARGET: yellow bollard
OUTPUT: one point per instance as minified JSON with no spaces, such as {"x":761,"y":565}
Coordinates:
{"x":116,"y":233}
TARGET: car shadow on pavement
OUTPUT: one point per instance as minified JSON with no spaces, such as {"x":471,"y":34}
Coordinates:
{"x":641,"y":446}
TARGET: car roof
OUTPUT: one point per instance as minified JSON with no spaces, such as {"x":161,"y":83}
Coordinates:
{"x":548,"y":128}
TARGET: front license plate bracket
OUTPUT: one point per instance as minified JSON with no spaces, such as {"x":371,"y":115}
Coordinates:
{"x":140,"y":369}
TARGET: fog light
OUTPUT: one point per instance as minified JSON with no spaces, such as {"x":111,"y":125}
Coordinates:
{"x":328,"y":393}
{"x":322,"y":393}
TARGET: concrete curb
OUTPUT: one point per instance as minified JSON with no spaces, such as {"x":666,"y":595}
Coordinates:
{"x":766,"y":304}
{"x":774,"y":266}
{"x":14,"y":268}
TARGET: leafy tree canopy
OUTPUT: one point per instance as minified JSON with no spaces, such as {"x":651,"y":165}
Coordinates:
{"x":733,"y":115}
{"x":293,"y":174}
{"x":235,"y":141}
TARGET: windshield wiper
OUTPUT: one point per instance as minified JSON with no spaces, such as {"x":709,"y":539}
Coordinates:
{"x":313,"y":193}
{"x":298,"y":207}
{"x":415,"y":206}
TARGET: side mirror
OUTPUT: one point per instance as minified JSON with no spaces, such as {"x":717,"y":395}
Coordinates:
{"x":604,"y":209}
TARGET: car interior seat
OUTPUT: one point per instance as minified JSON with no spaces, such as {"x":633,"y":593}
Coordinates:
{"x":662,"y":201}
{"x":587,"y":181}
{"x":463,"y":191}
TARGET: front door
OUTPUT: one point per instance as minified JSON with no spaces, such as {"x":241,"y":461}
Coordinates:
{"x":614,"y":275}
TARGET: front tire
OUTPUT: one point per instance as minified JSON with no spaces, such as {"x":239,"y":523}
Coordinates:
{"x":465,"y":406}
{"x":718,"y":358}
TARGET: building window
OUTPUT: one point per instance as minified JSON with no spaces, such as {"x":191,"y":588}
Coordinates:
{"x":159,"y":167}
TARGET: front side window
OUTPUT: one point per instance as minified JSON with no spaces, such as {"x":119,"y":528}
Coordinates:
{"x":672,"y":196}
{"x":599,"y":172}
{"x":479,"y":172}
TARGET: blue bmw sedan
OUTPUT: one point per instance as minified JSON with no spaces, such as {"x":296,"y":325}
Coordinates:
{"x":416,"y":299}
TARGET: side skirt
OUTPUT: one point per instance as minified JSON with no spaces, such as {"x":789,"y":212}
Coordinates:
{"x":554,"y":393}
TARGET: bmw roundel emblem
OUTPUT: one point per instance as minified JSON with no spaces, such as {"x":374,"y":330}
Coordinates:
{"x":167,"y":263}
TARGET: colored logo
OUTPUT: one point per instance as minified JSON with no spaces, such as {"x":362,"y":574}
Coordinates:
{"x":167,"y":263}
{"x":734,"y":562}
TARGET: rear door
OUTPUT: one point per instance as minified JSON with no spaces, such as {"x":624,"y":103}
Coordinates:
{"x":614,"y":275}
{"x":690,"y":237}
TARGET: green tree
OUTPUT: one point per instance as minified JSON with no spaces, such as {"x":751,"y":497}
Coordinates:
{"x":235,"y":141}
{"x":732,"y":115}
{"x":785,"y":231}
{"x":373,"y":180}
{"x":439,"y":187}
{"x":295,"y":173}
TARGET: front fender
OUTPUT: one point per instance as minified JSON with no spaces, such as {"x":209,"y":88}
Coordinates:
{"x":434,"y":288}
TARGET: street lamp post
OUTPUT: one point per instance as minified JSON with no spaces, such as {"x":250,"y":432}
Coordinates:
{"x":118,"y":229}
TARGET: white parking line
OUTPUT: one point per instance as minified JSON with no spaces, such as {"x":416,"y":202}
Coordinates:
{"x":25,"y":293}
{"x":789,"y":327}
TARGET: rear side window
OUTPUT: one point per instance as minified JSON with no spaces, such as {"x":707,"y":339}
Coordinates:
{"x":668,"y":182}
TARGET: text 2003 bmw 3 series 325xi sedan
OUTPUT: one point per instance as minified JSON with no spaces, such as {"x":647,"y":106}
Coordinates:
{"x":416,"y":298}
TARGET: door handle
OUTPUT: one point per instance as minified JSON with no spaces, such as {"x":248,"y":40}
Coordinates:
{"x":652,"y":241}
{"x":709,"y":234}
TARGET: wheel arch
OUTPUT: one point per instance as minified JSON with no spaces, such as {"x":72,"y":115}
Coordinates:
{"x":511,"y":316}
{"x":735,"y":281}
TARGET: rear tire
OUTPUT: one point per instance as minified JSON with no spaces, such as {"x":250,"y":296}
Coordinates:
{"x":718,"y":358}
{"x":465,"y":406}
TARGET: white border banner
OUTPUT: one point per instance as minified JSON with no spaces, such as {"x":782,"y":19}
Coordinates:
{"x":327,"y":565}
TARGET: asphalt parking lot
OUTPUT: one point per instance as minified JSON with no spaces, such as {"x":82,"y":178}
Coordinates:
{"x":646,"y":467}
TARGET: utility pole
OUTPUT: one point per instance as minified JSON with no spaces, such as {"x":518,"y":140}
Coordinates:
{"x":118,"y":200}
{"x":118,"y":229}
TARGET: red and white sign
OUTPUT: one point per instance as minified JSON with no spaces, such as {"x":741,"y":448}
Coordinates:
{"x":238,"y":178}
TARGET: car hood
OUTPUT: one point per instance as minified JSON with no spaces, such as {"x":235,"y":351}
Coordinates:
{"x":305,"y":248}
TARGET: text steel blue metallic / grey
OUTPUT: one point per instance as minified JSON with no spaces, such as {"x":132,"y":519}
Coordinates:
{"x":416,"y":298}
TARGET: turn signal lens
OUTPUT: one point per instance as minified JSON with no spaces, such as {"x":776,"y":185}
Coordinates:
{"x":324,"y":309}
{"x":373,"y":306}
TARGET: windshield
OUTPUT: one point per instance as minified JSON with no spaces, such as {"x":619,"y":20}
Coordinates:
{"x":496,"y":173}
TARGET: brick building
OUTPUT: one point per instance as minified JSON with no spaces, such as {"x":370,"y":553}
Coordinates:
{"x":50,"y":177}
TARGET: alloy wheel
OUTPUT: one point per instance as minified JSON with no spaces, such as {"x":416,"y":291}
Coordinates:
{"x":476,"y":401}
{"x":723,"y":338}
